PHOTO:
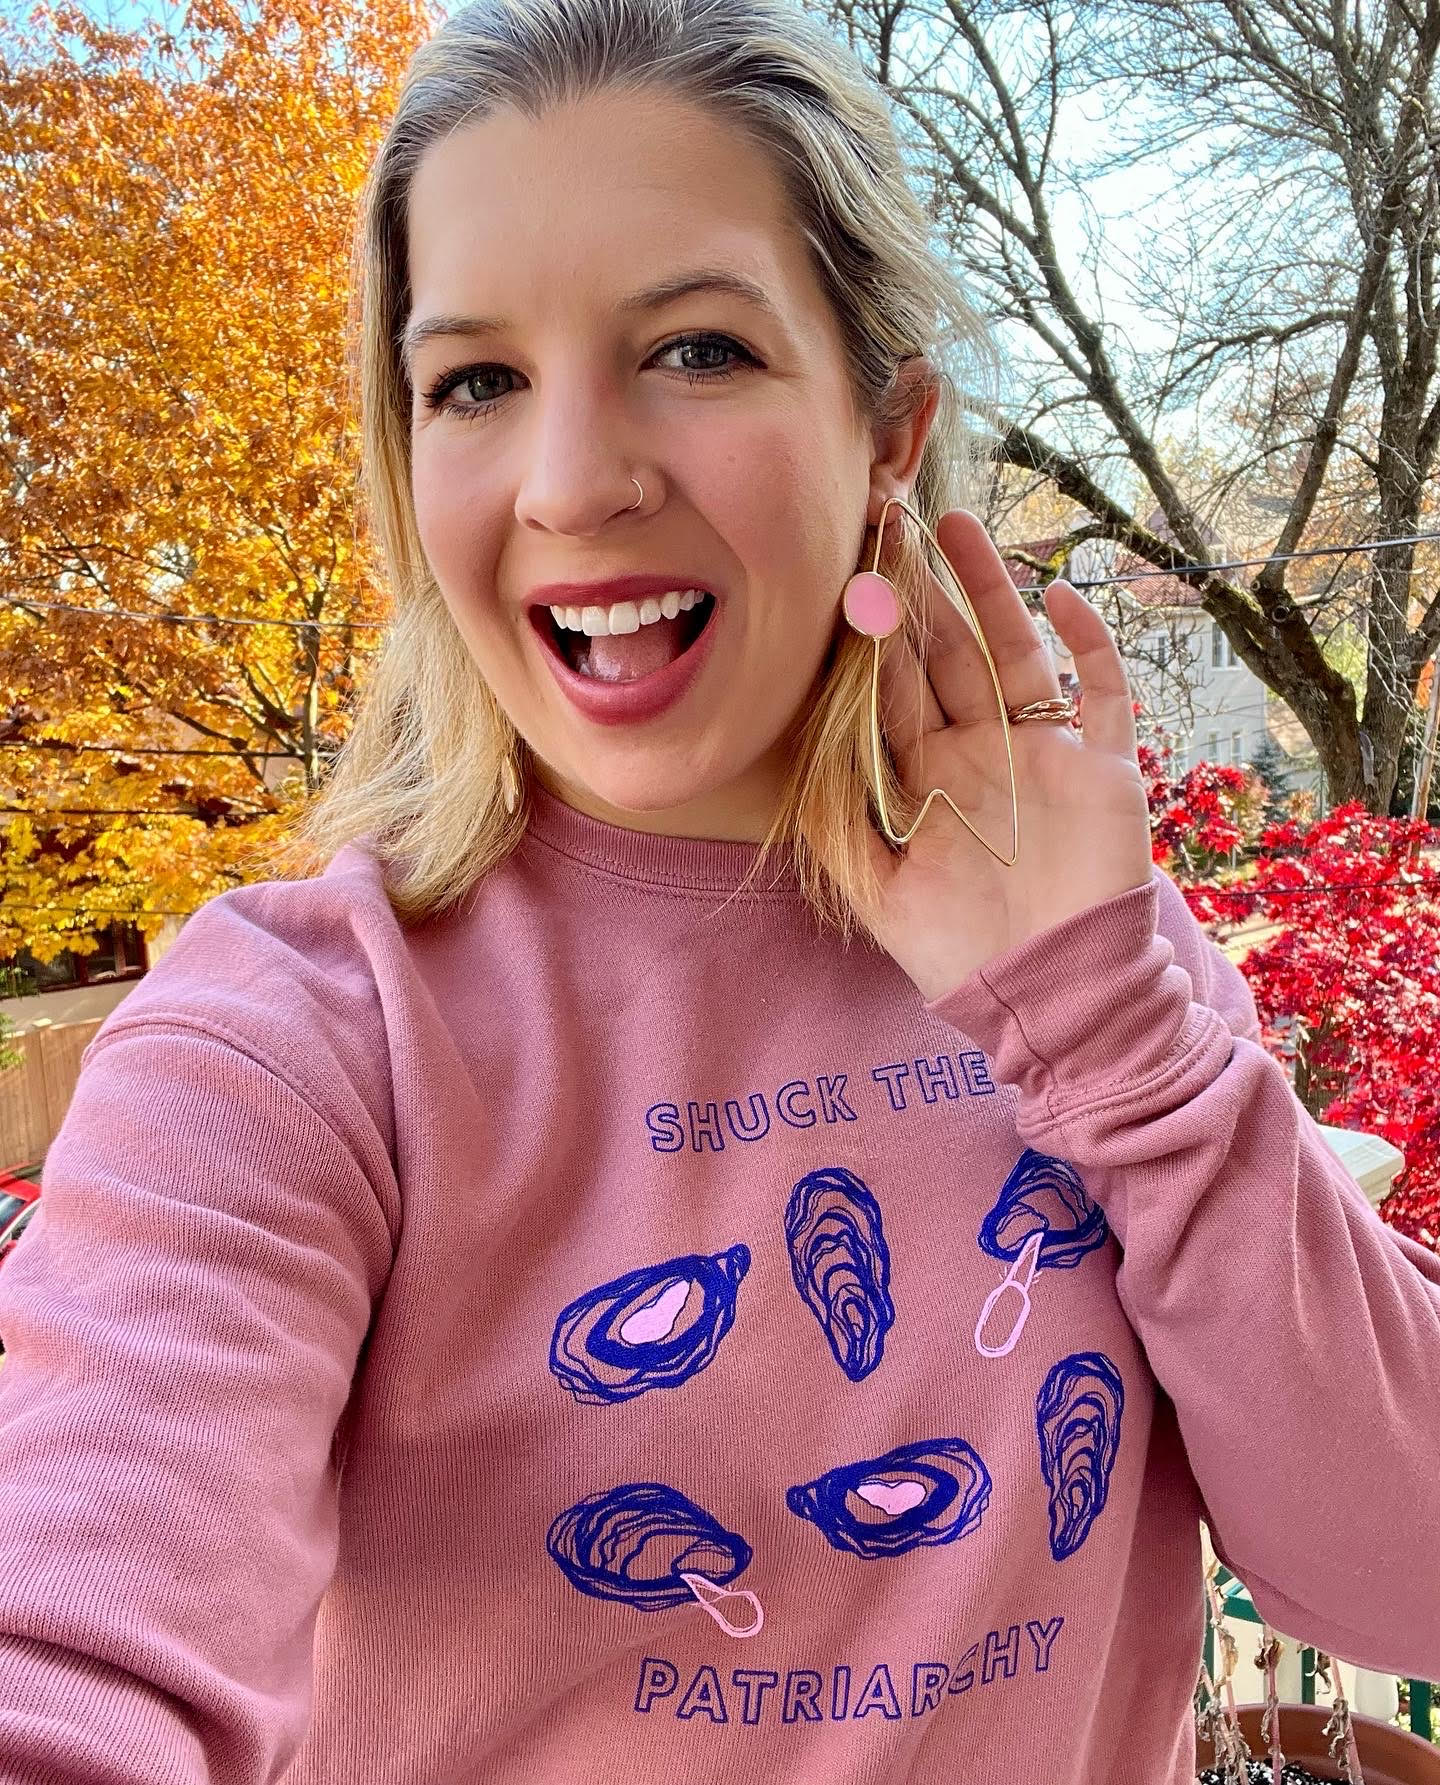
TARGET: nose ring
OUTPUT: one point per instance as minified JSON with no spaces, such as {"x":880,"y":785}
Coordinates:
{"x":640,"y":498}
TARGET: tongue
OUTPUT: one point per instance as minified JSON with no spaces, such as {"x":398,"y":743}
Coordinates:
{"x":627,"y":656}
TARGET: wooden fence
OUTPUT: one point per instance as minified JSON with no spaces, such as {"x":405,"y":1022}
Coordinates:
{"x":35,"y":1094}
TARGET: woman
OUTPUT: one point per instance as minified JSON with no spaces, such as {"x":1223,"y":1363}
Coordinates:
{"x":544,"y":1299}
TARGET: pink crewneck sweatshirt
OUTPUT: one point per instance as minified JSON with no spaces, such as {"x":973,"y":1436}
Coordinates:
{"x":551,"y":1344}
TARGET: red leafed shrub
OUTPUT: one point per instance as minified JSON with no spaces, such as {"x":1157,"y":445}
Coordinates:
{"x":1195,"y":823}
{"x":1348,"y":986}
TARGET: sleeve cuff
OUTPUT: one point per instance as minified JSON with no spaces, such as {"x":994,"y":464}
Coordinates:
{"x":1091,"y":1007}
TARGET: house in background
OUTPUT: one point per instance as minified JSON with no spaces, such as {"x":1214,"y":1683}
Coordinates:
{"x":1178,"y":658}
{"x":1231,"y":711}
{"x":75,"y":988}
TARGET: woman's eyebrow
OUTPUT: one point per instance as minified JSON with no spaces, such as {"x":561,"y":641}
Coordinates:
{"x":652,"y":297}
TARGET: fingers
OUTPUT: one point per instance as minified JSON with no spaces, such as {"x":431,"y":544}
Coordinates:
{"x":1109,"y":707}
{"x":957,"y":666}
{"x":955,"y":683}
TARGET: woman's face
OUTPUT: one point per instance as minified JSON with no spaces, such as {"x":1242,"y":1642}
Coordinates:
{"x":560,"y":367}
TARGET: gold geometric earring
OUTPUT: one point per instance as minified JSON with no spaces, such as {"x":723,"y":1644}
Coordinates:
{"x":872,"y":608}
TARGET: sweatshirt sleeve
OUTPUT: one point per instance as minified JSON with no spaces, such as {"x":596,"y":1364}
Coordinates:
{"x":182,"y":1322}
{"x":1297,"y":1335}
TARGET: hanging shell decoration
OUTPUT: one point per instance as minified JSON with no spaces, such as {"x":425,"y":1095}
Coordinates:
{"x":1343,"y":1750}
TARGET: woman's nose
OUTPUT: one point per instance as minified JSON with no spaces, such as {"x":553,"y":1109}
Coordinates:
{"x":576,"y":466}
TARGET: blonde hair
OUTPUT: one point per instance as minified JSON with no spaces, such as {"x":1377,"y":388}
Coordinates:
{"x":420,"y":778}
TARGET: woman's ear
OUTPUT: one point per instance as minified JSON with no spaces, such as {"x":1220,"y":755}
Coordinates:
{"x":900,"y":439}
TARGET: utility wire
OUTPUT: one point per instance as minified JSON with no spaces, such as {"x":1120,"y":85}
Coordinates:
{"x":1200,"y":571}
{"x":117,"y":811}
{"x":232,"y":755}
{"x":22,"y":602}
{"x":96,"y":910}
{"x":1313,"y":892}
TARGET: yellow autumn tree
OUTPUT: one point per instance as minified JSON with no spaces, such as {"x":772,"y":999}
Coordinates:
{"x":177,"y":439}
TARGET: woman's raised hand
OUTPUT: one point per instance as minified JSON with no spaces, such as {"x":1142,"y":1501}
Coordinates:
{"x":948,"y":906}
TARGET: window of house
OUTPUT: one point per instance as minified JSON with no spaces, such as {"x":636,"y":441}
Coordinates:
{"x":1212,"y":746}
{"x":1222,"y":652}
{"x":121,"y":955}
{"x":1237,"y":746}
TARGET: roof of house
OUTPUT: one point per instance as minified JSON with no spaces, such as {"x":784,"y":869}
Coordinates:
{"x":1155,"y":588}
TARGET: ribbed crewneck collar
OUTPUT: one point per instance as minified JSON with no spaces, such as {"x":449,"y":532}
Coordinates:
{"x":694,"y":864}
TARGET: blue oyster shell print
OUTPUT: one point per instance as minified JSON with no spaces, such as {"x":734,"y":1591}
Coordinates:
{"x":1044,"y":1193}
{"x":1077,"y":1414}
{"x":652,"y":1328}
{"x":841,"y":1265}
{"x":926,"y":1493}
{"x":635,"y":1543}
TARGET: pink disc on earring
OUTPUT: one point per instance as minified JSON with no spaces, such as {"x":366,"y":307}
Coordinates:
{"x":871,"y":604}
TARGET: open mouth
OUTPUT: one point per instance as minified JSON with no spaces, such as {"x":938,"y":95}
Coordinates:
{"x":651,"y":635}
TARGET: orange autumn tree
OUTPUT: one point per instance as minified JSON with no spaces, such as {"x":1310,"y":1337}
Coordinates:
{"x":177,"y":438}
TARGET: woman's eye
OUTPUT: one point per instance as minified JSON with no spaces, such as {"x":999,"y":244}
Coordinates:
{"x":707,"y":347}
{"x":472,"y":380}
{"x":474,"y":383}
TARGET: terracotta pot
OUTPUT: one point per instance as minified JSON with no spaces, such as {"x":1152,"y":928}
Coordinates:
{"x":1389,"y":1756}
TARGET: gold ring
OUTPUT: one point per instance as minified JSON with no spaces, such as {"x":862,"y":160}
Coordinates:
{"x":1061,"y":710}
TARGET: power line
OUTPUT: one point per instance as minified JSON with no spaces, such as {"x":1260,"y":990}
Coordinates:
{"x":22,"y":603}
{"x":1203,"y":570}
{"x":113,"y":812}
{"x":97,"y":910}
{"x":232,"y":755}
{"x":1318,"y":892}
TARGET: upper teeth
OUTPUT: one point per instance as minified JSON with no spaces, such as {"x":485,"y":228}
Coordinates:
{"x":626,"y":616}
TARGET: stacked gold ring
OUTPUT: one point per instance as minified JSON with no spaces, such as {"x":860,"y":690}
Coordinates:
{"x":1061,"y":710}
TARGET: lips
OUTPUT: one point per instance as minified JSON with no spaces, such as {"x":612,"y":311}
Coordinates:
{"x":646,"y":696}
